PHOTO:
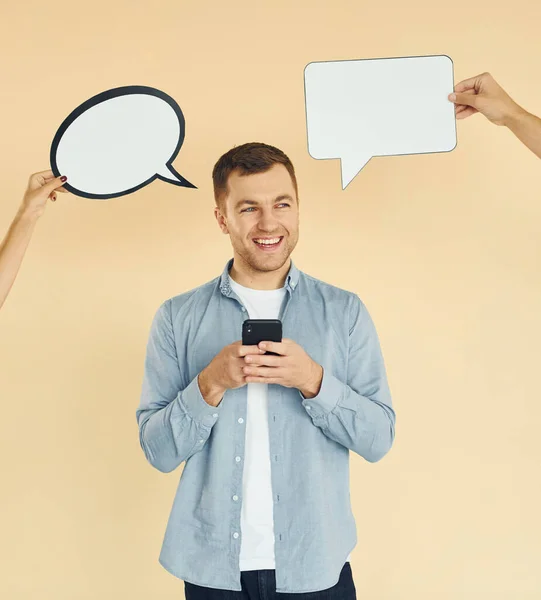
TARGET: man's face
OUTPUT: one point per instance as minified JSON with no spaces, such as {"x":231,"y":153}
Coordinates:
{"x":261,"y":217}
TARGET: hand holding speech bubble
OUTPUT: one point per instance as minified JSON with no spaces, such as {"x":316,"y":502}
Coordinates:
{"x":357,"y":109}
{"x":118,"y":142}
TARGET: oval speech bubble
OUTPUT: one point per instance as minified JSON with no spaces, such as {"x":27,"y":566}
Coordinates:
{"x":119,"y":141}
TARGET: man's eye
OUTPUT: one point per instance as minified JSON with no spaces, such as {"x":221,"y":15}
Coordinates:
{"x":250,"y":208}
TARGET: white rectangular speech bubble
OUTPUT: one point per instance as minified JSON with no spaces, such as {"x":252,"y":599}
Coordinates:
{"x":357,"y":109}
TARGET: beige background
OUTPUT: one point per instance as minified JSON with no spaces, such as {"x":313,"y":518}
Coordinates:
{"x":444,"y":249}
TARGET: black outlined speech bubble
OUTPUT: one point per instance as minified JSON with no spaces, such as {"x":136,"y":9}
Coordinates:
{"x":119,"y":141}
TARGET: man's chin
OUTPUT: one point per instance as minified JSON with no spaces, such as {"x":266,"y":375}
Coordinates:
{"x":272,"y":262}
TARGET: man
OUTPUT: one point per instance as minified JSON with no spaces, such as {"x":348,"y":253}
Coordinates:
{"x":482,"y":94}
{"x":41,"y":187}
{"x":262,"y":509}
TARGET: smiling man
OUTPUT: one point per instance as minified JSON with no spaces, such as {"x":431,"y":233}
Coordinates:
{"x":262,"y":508}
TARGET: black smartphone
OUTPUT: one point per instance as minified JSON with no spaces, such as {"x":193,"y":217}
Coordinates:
{"x":261,"y":330}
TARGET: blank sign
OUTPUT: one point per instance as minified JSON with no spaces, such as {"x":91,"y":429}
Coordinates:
{"x":119,"y":141}
{"x":357,"y":109}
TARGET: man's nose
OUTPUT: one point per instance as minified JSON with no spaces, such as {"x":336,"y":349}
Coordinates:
{"x":267,"y":221}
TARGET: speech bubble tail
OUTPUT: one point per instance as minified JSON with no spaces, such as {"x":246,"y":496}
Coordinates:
{"x":350,"y":167}
{"x":171,"y":175}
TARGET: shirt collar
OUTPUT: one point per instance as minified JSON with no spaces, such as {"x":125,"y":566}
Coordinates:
{"x":291,"y":280}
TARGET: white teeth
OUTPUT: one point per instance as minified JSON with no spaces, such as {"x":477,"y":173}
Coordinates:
{"x":268,"y":242}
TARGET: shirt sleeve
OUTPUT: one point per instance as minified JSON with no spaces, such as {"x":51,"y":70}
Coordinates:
{"x":174,"y":423}
{"x":357,"y":413}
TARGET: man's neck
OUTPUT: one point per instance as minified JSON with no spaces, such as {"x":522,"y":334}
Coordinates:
{"x":244,"y":275}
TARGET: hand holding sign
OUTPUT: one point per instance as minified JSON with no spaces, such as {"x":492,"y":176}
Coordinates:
{"x":119,"y":141}
{"x":357,"y":109}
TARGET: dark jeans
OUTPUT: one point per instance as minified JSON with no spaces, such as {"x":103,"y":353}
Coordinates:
{"x":261,"y":585}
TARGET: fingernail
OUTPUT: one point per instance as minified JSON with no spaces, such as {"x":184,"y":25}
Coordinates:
{"x":63,"y":178}
{"x":262,"y":345}
{"x":452,"y":97}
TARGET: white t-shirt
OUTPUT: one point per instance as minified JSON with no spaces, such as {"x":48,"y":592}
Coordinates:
{"x":257,"y":511}
{"x":257,"y":518}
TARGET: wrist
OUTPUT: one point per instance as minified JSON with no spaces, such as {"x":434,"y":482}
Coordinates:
{"x":28,"y":215}
{"x":515,"y":116}
{"x":311,"y":389}
{"x":212,"y":394}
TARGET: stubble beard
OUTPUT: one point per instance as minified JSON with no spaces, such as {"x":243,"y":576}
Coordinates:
{"x":265,"y":264}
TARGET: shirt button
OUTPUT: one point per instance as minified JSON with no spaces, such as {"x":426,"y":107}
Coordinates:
{"x":241,"y":420}
{"x":215,"y":415}
{"x":201,"y":441}
{"x":235,"y":535}
{"x":237,"y":458}
{"x":235,"y":498}
{"x":308,"y":408}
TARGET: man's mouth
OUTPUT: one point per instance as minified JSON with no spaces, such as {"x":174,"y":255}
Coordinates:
{"x":268,"y":244}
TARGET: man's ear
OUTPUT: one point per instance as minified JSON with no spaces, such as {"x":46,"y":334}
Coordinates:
{"x":222,"y":221}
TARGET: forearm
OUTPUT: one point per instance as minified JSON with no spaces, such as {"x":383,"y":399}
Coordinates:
{"x":13,"y":248}
{"x":363,"y":424}
{"x":171,"y":434}
{"x":357,"y":412}
{"x":527,"y":128}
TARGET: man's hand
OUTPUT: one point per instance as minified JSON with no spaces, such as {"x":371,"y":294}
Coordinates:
{"x":224,"y":372}
{"x":292,"y":368}
{"x":482,"y":94}
{"x":41,"y":186}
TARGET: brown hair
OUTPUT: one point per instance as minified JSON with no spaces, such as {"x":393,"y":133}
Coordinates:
{"x":250,"y":158}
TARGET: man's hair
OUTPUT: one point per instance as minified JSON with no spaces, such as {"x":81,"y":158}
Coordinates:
{"x":254,"y":157}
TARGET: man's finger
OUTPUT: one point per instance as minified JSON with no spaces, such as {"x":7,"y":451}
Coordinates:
{"x":245,"y":350}
{"x":274,"y":372}
{"x":467,"y":84}
{"x":277,"y":347}
{"x":252,"y":379}
{"x":467,"y":99}
{"x":467,"y":112}
{"x":461,"y":107}
{"x":268,"y":360}
{"x":470,"y":91}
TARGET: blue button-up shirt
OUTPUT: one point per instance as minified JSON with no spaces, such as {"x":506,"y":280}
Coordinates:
{"x":309,"y":439}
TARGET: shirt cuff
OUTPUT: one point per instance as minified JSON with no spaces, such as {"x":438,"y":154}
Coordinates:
{"x":195,"y":406}
{"x":330,"y":392}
